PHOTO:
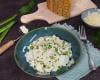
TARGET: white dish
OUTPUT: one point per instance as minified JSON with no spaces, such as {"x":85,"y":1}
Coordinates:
{"x":91,"y":17}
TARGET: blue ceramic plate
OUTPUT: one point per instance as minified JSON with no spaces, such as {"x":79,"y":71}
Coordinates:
{"x":21,"y":49}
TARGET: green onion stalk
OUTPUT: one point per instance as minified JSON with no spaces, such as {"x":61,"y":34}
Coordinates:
{"x":7,"y":24}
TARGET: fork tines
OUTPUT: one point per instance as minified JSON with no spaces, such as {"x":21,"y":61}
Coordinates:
{"x":82,"y":32}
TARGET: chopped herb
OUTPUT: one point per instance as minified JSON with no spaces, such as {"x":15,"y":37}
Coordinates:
{"x":47,"y":46}
{"x":56,"y":49}
{"x":52,"y":57}
{"x":31,"y":46}
{"x":40,"y":62}
{"x":44,"y":65}
{"x":66,"y":53}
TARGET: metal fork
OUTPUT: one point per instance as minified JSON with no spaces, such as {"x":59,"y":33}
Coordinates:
{"x":83,"y":37}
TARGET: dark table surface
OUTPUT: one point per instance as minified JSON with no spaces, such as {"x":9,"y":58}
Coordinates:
{"x":8,"y":67}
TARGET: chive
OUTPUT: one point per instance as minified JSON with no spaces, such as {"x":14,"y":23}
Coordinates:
{"x":5,"y":30}
{"x":8,"y":20}
{"x":2,"y":36}
{"x":7,"y":26}
{"x":8,"y":23}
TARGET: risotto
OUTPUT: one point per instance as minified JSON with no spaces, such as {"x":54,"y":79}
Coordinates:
{"x":49,"y":53}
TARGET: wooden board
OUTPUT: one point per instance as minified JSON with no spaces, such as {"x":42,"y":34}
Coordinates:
{"x":43,"y":13}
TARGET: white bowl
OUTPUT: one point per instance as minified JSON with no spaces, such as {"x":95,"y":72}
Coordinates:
{"x":87,"y":13}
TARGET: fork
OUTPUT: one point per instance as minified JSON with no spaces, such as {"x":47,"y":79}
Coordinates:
{"x":83,"y":37}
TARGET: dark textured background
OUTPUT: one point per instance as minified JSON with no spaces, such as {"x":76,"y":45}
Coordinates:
{"x":8,"y":67}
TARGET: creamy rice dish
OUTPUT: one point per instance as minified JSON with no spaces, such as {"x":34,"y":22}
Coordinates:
{"x":49,"y":53}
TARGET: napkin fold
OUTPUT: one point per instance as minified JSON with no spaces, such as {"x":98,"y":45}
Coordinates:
{"x":81,"y":68}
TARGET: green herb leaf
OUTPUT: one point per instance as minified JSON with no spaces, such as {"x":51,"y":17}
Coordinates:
{"x":31,"y":46}
{"x":28,"y":8}
{"x":96,"y":38}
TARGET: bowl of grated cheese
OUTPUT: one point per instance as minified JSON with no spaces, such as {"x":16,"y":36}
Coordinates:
{"x":91,"y":17}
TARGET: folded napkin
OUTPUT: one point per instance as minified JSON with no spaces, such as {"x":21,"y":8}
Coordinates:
{"x":81,"y":68}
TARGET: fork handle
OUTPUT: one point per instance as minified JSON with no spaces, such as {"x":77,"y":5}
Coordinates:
{"x":92,"y":64}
